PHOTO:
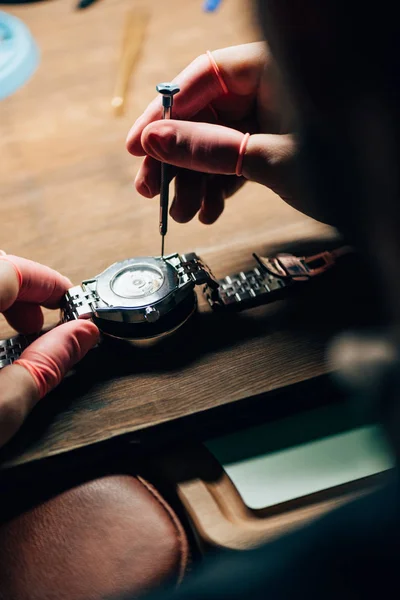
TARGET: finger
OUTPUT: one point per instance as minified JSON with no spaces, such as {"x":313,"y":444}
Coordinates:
{"x":268,"y":159}
{"x":28,"y":281}
{"x":148,"y":178}
{"x":241,"y":68}
{"x":212,"y":206}
{"x":199,"y":87}
{"x":219,"y":188}
{"x":9,"y":284}
{"x":50,"y":357}
{"x":24,"y":317}
{"x":228,"y":184}
{"x":19,"y":394}
{"x":189,"y":193}
{"x":197,"y":146}
{"x":40,"y":368}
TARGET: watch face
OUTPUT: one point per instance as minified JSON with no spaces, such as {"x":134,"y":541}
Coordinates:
{"x":137,"y":281}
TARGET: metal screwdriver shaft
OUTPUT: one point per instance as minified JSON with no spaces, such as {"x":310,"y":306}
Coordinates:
{"x":168,"y":91}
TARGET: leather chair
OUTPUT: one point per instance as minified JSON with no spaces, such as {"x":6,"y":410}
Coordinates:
{"x":113,"y":536}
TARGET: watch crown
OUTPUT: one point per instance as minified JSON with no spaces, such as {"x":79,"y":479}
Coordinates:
{"x":151,"y":314}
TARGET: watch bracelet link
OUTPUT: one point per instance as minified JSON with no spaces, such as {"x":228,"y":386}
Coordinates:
{"x":198,"y":271}
{"x":245,"y":290}
{"x":78,"y":303}
{"x":270,"y":280}
{"x":12,"y":348}
{"x":237,"y":291}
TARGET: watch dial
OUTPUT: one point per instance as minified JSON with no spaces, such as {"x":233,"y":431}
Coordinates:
{"x":137,"y":282}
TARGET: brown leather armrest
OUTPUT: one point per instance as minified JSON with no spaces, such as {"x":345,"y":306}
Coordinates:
{"x":114,"y":535}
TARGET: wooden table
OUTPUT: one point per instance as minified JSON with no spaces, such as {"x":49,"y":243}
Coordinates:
{"x":67,"y":200}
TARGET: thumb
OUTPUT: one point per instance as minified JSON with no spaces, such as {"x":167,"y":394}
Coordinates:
{"x":210,"y":148}
{"x":41,"y":367}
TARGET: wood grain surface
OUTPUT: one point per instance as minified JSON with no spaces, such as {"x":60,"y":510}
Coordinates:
{"x":68,"y":200}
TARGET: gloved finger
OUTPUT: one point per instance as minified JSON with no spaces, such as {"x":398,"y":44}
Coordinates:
{"x":190,"y":188}
{"x":41,"y":367}
{"x":240,"y":67}
{"x":24,"y":280}
{"x":268,"y":159}
{"x":219,"y":188}
{"x":50,"y":357}
{"x":19,"y":394}
{"x":197,"y":146}
{"x":25,"y":317}
{"x":148,"y":178}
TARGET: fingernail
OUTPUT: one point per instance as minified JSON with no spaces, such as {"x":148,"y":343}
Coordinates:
{"x":2,"y":253}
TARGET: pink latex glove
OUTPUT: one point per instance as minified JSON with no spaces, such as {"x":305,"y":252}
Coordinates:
{"x":24,"y":287}
{"x":222,"y":98}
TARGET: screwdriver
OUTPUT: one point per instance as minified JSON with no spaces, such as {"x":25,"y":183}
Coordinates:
{"x":168,"y":91}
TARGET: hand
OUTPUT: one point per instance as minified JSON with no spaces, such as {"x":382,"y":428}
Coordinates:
{"x":24,"y":287}
{"x":204,"y":143}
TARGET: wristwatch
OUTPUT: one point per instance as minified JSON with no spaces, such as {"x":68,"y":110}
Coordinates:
{"x":143,"y":298}
{"x":140,"y":298}
{"x":134,"y":299}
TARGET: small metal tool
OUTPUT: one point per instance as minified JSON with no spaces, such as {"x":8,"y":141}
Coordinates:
{"x":168,"y":91}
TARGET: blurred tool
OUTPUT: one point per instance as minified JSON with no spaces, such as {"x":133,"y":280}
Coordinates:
{"x":134,"y":29}
{"x":211,"y":5}
{"x":19,"y":55}
{"x":168,"y":91}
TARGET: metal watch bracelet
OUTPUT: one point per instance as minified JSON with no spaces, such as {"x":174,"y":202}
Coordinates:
{"x":12,"y":348}
{"x":79,"y":303}
{"x":75,"y":305}
{"x":270,"y":280}
{"x":245,"y":289}
{"x":265,"y":283}
{"x":200,"y":273}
